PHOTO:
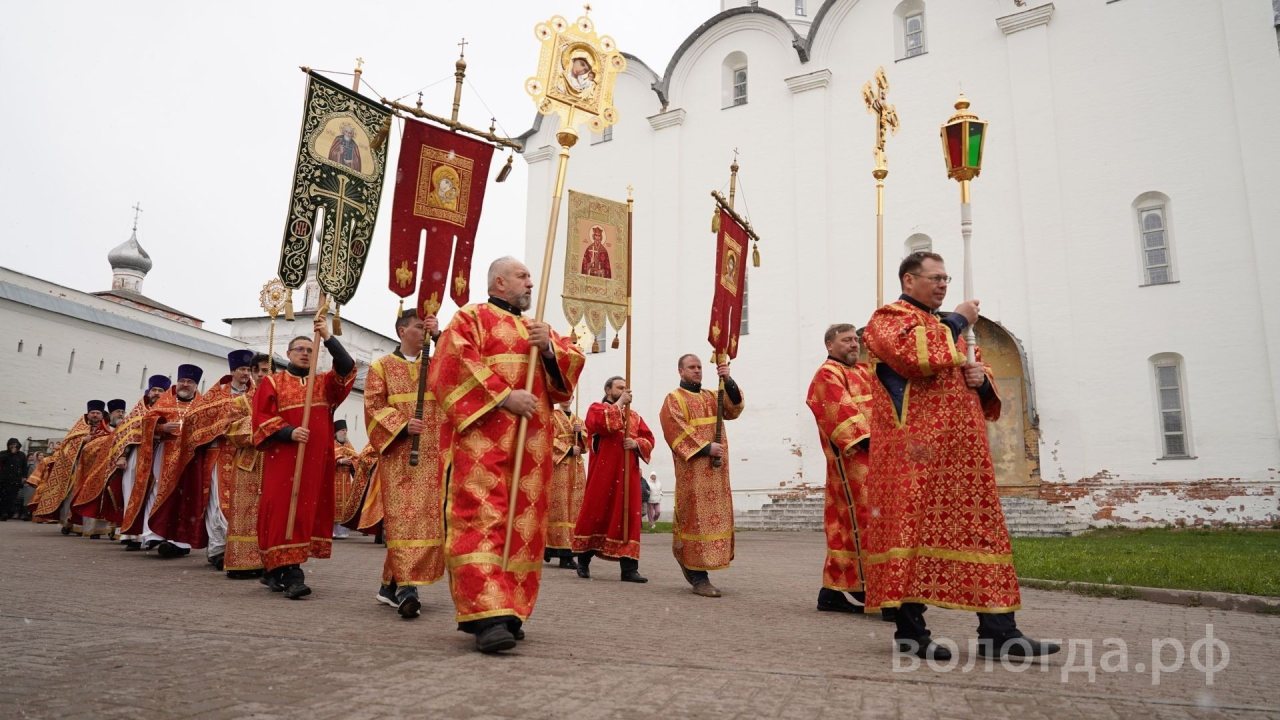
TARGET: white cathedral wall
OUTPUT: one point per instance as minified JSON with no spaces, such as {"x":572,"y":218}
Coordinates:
{"x":41,"y":399}
{"x":1087,"y":113}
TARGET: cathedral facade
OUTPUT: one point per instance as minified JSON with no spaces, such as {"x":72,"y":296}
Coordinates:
{"x":1124,"y":230}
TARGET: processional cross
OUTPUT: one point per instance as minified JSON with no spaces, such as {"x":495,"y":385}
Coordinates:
{"x":876,"y":98}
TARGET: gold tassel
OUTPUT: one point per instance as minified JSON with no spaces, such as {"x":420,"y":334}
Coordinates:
{"x":288,"y":305}
{"x":337,"y":319}
{"x":400,"y":310}
{"x":380,"y":138}
{"x":715,"y":220}
{"x":755,"y":254}
{"x":615,"y":342}
{"x":595,"y":345}
{"x":506,"y":169}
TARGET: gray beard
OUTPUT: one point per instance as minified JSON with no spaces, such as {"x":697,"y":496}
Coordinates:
{"x":185,"y":397}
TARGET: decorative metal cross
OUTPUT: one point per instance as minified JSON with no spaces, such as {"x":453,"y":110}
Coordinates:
{"x":462,"y":48}
{"x":137,"y":208}
{"x":359,"y":64}
{"x":876,"y":99}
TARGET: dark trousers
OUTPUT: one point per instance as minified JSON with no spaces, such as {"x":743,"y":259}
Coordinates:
{"x":991,"y":626}
{"x":9,"y":499}
{"x":695,"y":577}
{"x":628,"y":564}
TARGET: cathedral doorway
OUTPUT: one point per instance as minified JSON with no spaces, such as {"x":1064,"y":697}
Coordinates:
{"x":1015,"y":437}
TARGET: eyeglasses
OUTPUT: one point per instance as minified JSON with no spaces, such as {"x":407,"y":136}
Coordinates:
{"x":935,"y":279}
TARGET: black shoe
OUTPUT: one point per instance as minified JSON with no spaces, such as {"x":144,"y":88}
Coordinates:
{"x":297,"y":590}
{"x":634,"y":576}
{"x":66,"y":531}
{"x":95,"y":536}
{"x":409,"y":604}
{"x":584,"y":571}
{"x":568,"y":563}
{"x":518,"y":633}
{"x":216,"y":561}
{"x":889,"y":614}
{"x":243,"y":574}
{"x":274,"y":580}
{"x":835,"y":601}
{"x":168,"y":550}
{"x":387,"y":596}
{"x":151,"y":544}
{"x":546,"y":556}
{"x":132,"y":545}
{"x":924,"y":649}
{"x":1019,"y":647}
{"x":495,"y":638}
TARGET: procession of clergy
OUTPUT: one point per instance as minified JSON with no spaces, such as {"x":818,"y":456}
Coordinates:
{"x":912,"y":516}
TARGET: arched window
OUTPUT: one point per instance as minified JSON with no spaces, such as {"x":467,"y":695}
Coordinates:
{"x":1171,"y":405}
{"x":1155,"y":243}
{"x":909,"y":27}
{"x":734,"y":80}
{"x":918,"y":242}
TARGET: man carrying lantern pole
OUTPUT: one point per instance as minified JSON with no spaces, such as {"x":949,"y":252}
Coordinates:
{"x":936,"y":534}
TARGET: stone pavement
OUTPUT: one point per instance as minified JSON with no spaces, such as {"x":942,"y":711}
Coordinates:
{"x":90,"y":631}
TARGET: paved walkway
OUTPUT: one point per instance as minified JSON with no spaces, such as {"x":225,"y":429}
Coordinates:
{"x":88,"y":630}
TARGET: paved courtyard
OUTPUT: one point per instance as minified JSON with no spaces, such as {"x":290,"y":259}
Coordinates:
{"x":90,"y":631}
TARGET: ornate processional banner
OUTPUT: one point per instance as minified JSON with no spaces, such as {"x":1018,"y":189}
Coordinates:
{"x":337,"y":169}
{"x":595,"y":262}
{"x":440,"y":183}
{"x":731,"y":277}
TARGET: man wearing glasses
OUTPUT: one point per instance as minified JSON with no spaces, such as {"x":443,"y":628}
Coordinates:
{"x":278,"y":406}
{"x":936,"y":534}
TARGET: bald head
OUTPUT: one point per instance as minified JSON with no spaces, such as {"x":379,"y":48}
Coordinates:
{"x":509,"y":280}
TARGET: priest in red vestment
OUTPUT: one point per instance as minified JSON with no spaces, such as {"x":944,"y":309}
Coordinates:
{"x":702,"y":524}
{"x":936,"y":533}
{"x":840,"y":399}
{"x":568,"y":483}
{"x":170,"y":540}
{"x":278,"y":406}
{"x":609,"y":521}
{"x":52,"y":501}
{"x":478,"y":376}
{"x":412,"y":495}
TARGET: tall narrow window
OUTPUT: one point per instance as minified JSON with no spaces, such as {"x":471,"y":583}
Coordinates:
{"x":800,"y":8}
{"x":19,"y":346}
{"x":102,"y":363}
{"x":71,"y":362}
{"x":40,"y":350}
{"x":914,"y":38}
{"x":1155,"y":245}
{"x":919,"y":242}
{"x":142,"y":382}
{"x":1171,"y":406}
{"x":117,"y":368}
{"x":601,"y":340}
{"x":746,"y":314}
{"x":909,"y":23}
{"x":733,"y":80}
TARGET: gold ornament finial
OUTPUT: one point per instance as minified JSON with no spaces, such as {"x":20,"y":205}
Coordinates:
{"x":586,"y":10}
{"x":875,"y":95}
{"x":359,"y":64}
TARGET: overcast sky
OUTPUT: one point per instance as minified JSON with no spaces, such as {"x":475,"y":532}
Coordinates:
{"x":193,"y":108}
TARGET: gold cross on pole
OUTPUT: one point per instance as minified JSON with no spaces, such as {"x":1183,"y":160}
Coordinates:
{"x":876,"y":97}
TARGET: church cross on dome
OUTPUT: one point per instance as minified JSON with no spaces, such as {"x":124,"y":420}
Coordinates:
{"x":137,"y":209}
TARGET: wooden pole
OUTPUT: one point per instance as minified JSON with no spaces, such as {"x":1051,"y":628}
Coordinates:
{"x":626,"y":412}
{"x":424,"y":364}
{"x":719,"y":461}
{"x":567,"y":137}
{"x":306,"y":420}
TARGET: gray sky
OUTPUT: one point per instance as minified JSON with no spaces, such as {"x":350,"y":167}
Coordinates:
{"x":193,"y":108}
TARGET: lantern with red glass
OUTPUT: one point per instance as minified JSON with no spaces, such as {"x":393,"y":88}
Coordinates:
{"x":962,"y":140}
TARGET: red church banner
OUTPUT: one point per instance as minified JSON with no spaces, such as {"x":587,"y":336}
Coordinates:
{"x":440,"y":184}
{"x":731,"y":277}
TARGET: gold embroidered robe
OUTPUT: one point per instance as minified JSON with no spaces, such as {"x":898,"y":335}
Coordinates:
{"x":702,"y":524}
{"x":482,"y":356}
{"x":840,"y":399}
{"x":568,"y":481}
{"x":412,"y":496}
{"x":936,"y":533}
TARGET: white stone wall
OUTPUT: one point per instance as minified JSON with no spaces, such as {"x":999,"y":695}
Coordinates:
{"x":1090,"y":105}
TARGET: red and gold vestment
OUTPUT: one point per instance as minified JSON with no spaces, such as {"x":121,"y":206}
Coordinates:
{"x":936,"y":533}
{"x":840,"y":399}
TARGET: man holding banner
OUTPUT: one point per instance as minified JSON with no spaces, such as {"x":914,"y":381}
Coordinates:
{"x":278,"y":408}
{"x":478,"y":376}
